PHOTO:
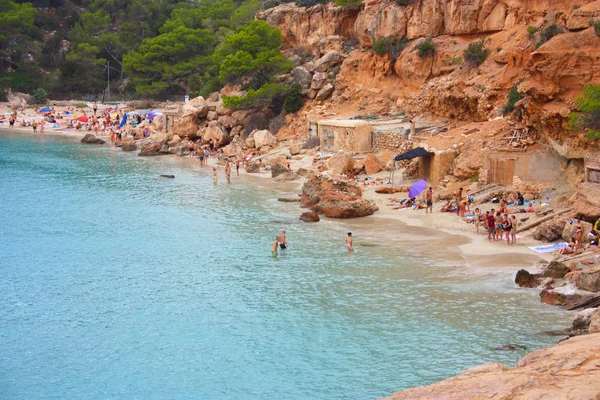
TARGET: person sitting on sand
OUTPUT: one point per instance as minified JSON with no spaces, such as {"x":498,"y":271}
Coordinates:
{"x":447,"y":207}
{"x":570,"y":249}
{"x":578,"y":234}
{"x":408,"y":204}
{"x":502,"y":208}
{"x":418,"y":205}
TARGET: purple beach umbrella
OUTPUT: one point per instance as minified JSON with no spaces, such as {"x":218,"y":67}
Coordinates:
{"x":417,"y":188}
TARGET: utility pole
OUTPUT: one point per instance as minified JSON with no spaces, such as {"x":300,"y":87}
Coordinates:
{"x":108,"y":80}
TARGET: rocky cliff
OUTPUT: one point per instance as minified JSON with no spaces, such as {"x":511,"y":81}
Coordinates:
{"x":549,"y":71}
{"x":569,"y":370}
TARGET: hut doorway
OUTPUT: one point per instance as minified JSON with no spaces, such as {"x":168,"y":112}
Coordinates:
{"x":502,"y":171}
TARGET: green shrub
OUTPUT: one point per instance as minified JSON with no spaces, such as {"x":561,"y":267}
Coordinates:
{"x":404,"y":2}
{"x":476,"y":53}
{"x":380,"y":46}
{"x":532,"y":30}
{"x":40,"y":95}
{"x":294,"y":100}
{"x":513,"y":97}
{"x":548,"y":33}
{"x":588,"y":117}
{"x":263,"y":97}
{"x":453,"y":60}
{"x":390,"y":46}
{"x":426,"y":47}
{"x":596,"y":25}
{"x":348,"y":3}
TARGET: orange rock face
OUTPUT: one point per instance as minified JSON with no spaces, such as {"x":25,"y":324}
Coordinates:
{"x":569,"y":370}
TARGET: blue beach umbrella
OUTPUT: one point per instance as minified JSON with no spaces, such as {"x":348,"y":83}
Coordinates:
{"x":45,"y":109}
{"x":417,"y":188}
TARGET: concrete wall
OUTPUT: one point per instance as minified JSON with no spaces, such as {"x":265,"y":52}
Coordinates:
{"x":592,"y":167}
{"x":349,"y":136}
{"x":539,"y":166}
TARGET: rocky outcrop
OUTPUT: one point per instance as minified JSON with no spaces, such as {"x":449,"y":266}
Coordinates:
{"x":129,"y":146}
{"x":526,"y":279}
{"x":310,"y":216}
{"x":152,"y":149}
{"x":328,"y":61}
{"x":335,"y":198}
{"x":91,"y":139}
{"x":568,"y":370}
{"x":589,"y":280}
{"x":372,"y":164}
{"x":555,"y":270}
{"x":587,"y":201}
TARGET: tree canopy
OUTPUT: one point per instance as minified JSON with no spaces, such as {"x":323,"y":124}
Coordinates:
{"x":143,"y":47}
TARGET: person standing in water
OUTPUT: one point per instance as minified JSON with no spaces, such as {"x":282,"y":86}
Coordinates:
{"x":237,"y":166}
{"x":274,"y":247}
{"x":349,"y":242}
{"x":228,"y":171}
{"x":282,"y":240}
{"x":214,"y":176}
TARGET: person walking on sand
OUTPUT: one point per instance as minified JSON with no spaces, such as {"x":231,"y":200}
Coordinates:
{"x":191,"y":147}
{"x":214,"y":176}
{"x":515,"y":226}
{"x":42,"y":126}
{"x":477,"y":220}
{"x":227,"y":171}
{"x":237,"y":166}
{"x":282,"y":240}
{"x":95,"y":108}
{"x":429,"y":199}
{"x":349,"y":242}
{"x":274,"y":247}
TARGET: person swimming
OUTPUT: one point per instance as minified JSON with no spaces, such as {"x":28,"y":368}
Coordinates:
{"x":349,"y":242}
{"x":282,"y":240}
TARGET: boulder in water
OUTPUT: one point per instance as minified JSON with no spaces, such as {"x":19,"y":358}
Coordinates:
{"x":167,"y":176}
{"x":129,"y":146}
{"x":91,"y":139}
{"x":310,"y":216}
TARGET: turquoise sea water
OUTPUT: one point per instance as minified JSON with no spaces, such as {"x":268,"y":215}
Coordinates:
{"x":115,"y":283}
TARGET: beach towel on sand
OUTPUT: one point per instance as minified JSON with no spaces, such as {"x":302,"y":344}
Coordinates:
{"x":549,"y":248}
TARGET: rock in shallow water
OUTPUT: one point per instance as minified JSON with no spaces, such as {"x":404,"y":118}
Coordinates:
{"x":91,"y":139}
{"x":310,"y":216}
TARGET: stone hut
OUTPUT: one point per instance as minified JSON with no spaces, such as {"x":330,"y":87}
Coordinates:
{"x":351,"y":136}
{"x":592,"y":167}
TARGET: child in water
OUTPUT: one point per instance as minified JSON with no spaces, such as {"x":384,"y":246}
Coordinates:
{"x":214,"y":176}
{"x":349,"y":242}
{"x":274,"y":247}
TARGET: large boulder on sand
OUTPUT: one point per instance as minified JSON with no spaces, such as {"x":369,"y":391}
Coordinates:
{"x":277,"y":169}
{"x":372,"y":164}
{"x":551,"y":230}
{"x":91,"y":139}
{"x":325,"y":92}
{"x":340,"y":163}
{"x":335,"y":198}
{"x":263,"y":138}
{"x":587,"y":201}
{"x":233,"y":149}
{"x":589,"y":280}
{"x":216,"y":133}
